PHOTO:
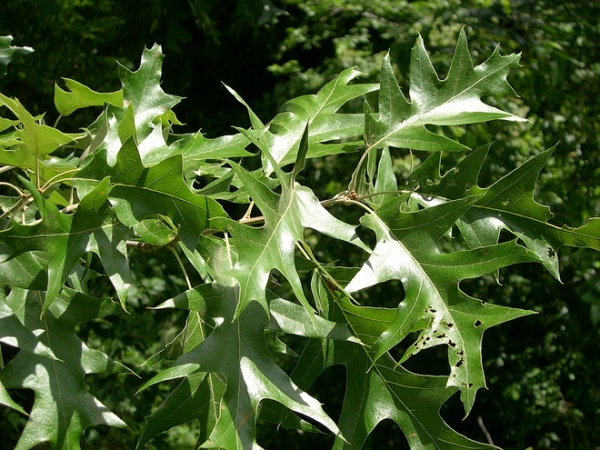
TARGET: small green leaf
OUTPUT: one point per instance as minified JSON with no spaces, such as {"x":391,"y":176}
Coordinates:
{"x":292,"y":318}
{"x":8,"y":52}
{"x":81,"y":96}
{"x":36,"y":140}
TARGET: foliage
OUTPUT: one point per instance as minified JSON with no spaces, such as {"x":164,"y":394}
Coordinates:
{"x":266,"y":314}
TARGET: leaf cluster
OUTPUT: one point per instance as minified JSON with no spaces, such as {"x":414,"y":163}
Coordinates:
{"x":266,"y":314}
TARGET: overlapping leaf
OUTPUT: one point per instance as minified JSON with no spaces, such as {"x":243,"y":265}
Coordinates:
{"x":61,"y":239}
{"x":138,"y":192}
{"x":508,"y":204}
{"x":330,"y":132}
{"x":232,"y":371}
{"x":272,"y":246}
{"x":406,"y":250}
{"x":379,"y":390}
{"x":135,"y":183}
{"x":31,"y":141}
{"x":53,"y":362}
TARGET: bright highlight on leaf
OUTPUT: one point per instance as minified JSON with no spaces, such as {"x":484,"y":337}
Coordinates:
{"x":8,"y":52}
{"x":268,"y":311}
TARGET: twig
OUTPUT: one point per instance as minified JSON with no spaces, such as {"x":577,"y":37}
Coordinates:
{"x":488,"y":437}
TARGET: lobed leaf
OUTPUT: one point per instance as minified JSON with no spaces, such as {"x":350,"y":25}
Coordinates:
{"x":63,"y":408}
{"x":455,"y":100}
{"x":241,"y":373}
{"x":9,"y":52}
{"x":81,"y":96}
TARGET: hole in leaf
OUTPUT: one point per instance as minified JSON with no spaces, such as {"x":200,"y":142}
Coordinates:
{"x":8,"y":352}
{"x":505,"y":236}
{"x":367,"y":236}
{"x":388,"y":294}
{"x":477,"y":323}
{"x":331,"y":251}
{"x":431,"y":361}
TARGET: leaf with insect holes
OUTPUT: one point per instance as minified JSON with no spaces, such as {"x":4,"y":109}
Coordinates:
{"x":455,"y":100}
{"x":406,"y":250}
{"x":379,"y":390}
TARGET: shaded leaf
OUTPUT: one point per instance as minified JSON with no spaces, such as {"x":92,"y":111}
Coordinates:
{"x":63,"y":408}
{"x":237,"y":350}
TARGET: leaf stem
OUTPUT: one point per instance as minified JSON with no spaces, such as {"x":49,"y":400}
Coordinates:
{"x":185,"y":275}
{"x":10,"y":185}
{"x":51,"y":181}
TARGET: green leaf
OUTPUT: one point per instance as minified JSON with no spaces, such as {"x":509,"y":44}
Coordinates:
{"x":294,"y":319}
{"x":455,"y":100}
{"x":62,"y":239}
{"x":35,"y":140}
{"x":406,"y":250}
{"x":141,"y":90}
{"x":49,"y":236}
{"x":155,"y":232}
{"x":508,"y":204}
{"x":272,"y":246}
{"x":8,"y":52}
{"x":139,"y":192}
{"x":199,"y":148}
{"x":63,"y":408}
{"x":381,"y":390}
{"x":236,"y":350}
{"x":330,"y":131}
{"x":81,"y":96}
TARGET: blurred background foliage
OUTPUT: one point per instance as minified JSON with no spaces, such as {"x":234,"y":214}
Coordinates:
{"x":542,"y":370}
